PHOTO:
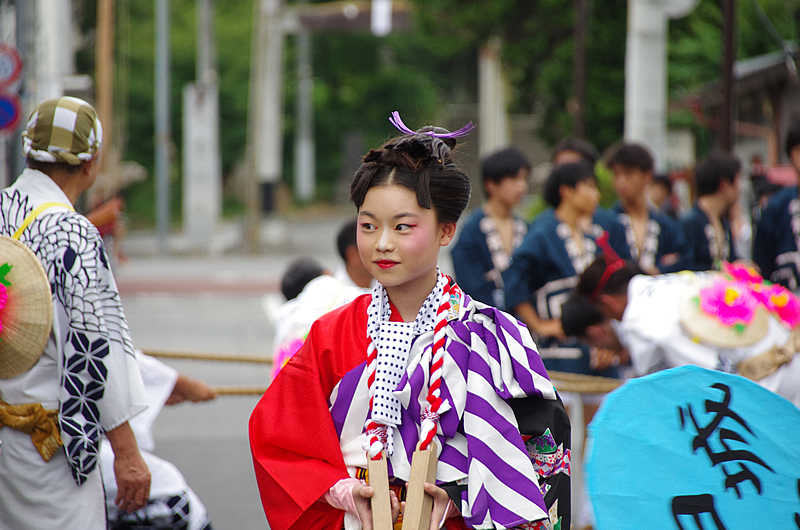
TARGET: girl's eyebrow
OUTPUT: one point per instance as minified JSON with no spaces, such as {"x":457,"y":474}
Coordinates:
{"x":398,"y":216}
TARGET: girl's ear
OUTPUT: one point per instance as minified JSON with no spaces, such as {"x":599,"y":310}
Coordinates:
{"x":448,"y":233}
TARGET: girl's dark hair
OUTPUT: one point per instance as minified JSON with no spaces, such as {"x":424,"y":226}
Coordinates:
{"x":617,"y":283}
{"x":566,"y":175}
{"x":422,"y":163}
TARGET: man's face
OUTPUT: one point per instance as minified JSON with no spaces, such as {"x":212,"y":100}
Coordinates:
{"x":795,"y":156}
{"x":89,"y":171}
{"x":583,"y":198}
{"x":733,"y":191}
{"x":567,"y":157}
{"x":658,"y":193}
{"x":603,"y":336}
{"x":510,"y":190}
{"x":631,"y":183}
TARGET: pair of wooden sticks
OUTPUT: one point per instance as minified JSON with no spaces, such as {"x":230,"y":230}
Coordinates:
{"x":417,"y":513}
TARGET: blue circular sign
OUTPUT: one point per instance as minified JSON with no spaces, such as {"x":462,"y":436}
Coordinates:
{"x":10,"y":110}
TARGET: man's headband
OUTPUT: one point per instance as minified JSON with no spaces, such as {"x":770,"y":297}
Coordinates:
{"x":62,"y":130}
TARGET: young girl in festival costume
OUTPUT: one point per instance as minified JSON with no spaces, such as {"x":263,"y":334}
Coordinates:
{"x":415,"y":362}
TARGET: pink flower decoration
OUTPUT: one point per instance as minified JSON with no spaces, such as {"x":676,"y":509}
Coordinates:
{"x":742,"y":273}
{"x":3,"y":301}
{"x":783,"y":304}
{"x":729,"y":302}
{"x":762,"y":292}
{"x":285,"y":352}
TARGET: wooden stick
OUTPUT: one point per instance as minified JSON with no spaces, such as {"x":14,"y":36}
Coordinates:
{"x":381,"y":504}
{"x":417,"y":514}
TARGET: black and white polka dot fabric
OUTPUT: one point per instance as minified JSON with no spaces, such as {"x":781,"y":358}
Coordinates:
{"x":393,"y":341}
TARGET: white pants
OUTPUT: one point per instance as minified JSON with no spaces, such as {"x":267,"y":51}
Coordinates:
{"x":39,"y":495}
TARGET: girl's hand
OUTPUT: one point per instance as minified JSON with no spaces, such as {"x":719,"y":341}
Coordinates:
{"x":440,"y":502}
{"x":362,"y":495}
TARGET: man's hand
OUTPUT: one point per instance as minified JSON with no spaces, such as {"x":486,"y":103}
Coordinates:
{"x":362,"y":495}
{"x":550,"y":328}
{"x":669,"y":259}
{"x":191,"y":389}
{"x":132,"y":474}
{"x":602,"y":358}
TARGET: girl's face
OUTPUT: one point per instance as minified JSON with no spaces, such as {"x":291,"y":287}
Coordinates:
{"x":399,"y":240}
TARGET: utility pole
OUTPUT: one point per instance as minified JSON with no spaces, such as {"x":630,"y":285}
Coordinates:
{"x":304,"y":152}
{"x":646,"y":72}
{"x":25,"y":24}
{"x":728,"y":57}
{"x":162,"y":126}
{"x":272,"y":22}
{"x":104,"y":88}
{"x":269,"y":149}
{"x":202,"y":171}
{"x":493,"y":131}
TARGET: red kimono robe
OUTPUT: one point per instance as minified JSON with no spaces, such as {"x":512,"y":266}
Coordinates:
{"x":294,"y":441}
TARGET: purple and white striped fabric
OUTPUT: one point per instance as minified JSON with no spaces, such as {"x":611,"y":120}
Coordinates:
{"x":490,"y":359}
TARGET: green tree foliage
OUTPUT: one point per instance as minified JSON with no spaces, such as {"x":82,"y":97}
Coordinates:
{"x":537,"y":52}
{"x":359,"y":79}
{"x":695,"y":41}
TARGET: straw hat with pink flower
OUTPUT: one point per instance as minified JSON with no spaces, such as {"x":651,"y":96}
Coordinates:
{"x":26,"y":308}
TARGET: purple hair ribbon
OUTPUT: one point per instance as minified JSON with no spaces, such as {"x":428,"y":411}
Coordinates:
{"x":402,"y":127}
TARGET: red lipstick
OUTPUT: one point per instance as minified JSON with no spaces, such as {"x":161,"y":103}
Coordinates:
{"x":385,"y":263}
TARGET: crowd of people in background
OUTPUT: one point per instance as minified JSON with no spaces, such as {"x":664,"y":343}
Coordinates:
{"x":531,"y":268}
{"x":604,"y":290}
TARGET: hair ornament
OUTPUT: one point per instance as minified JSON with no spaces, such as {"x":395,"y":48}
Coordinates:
{"x":613,"y":264}
{"x":402,"y":127}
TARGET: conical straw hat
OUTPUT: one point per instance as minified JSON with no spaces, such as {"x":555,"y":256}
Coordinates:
{"x":27,"y":317}
{"x":709,"y":329}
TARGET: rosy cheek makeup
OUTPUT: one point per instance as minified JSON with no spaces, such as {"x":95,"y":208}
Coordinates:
{"x":417,"y":239}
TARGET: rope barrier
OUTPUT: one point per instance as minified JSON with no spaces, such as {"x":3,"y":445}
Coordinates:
{"x":207,"y":356}
{"x":563,"y":381}
{"x":236,"y":390}
{"x":583,"y":384}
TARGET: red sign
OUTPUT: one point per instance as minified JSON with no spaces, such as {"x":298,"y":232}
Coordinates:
{"x":10,"y":65}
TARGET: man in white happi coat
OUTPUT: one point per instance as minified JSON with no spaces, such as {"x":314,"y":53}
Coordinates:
{"x":658,"y":322}
{"x":87,"y":372}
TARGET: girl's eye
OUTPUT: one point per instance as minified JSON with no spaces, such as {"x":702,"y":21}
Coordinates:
{"x":404,"y":227}
{"x":367,"y":226}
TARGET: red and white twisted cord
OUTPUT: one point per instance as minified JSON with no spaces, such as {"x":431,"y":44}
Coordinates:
{"x":430,"y":417}
{"x":376,"y":432}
